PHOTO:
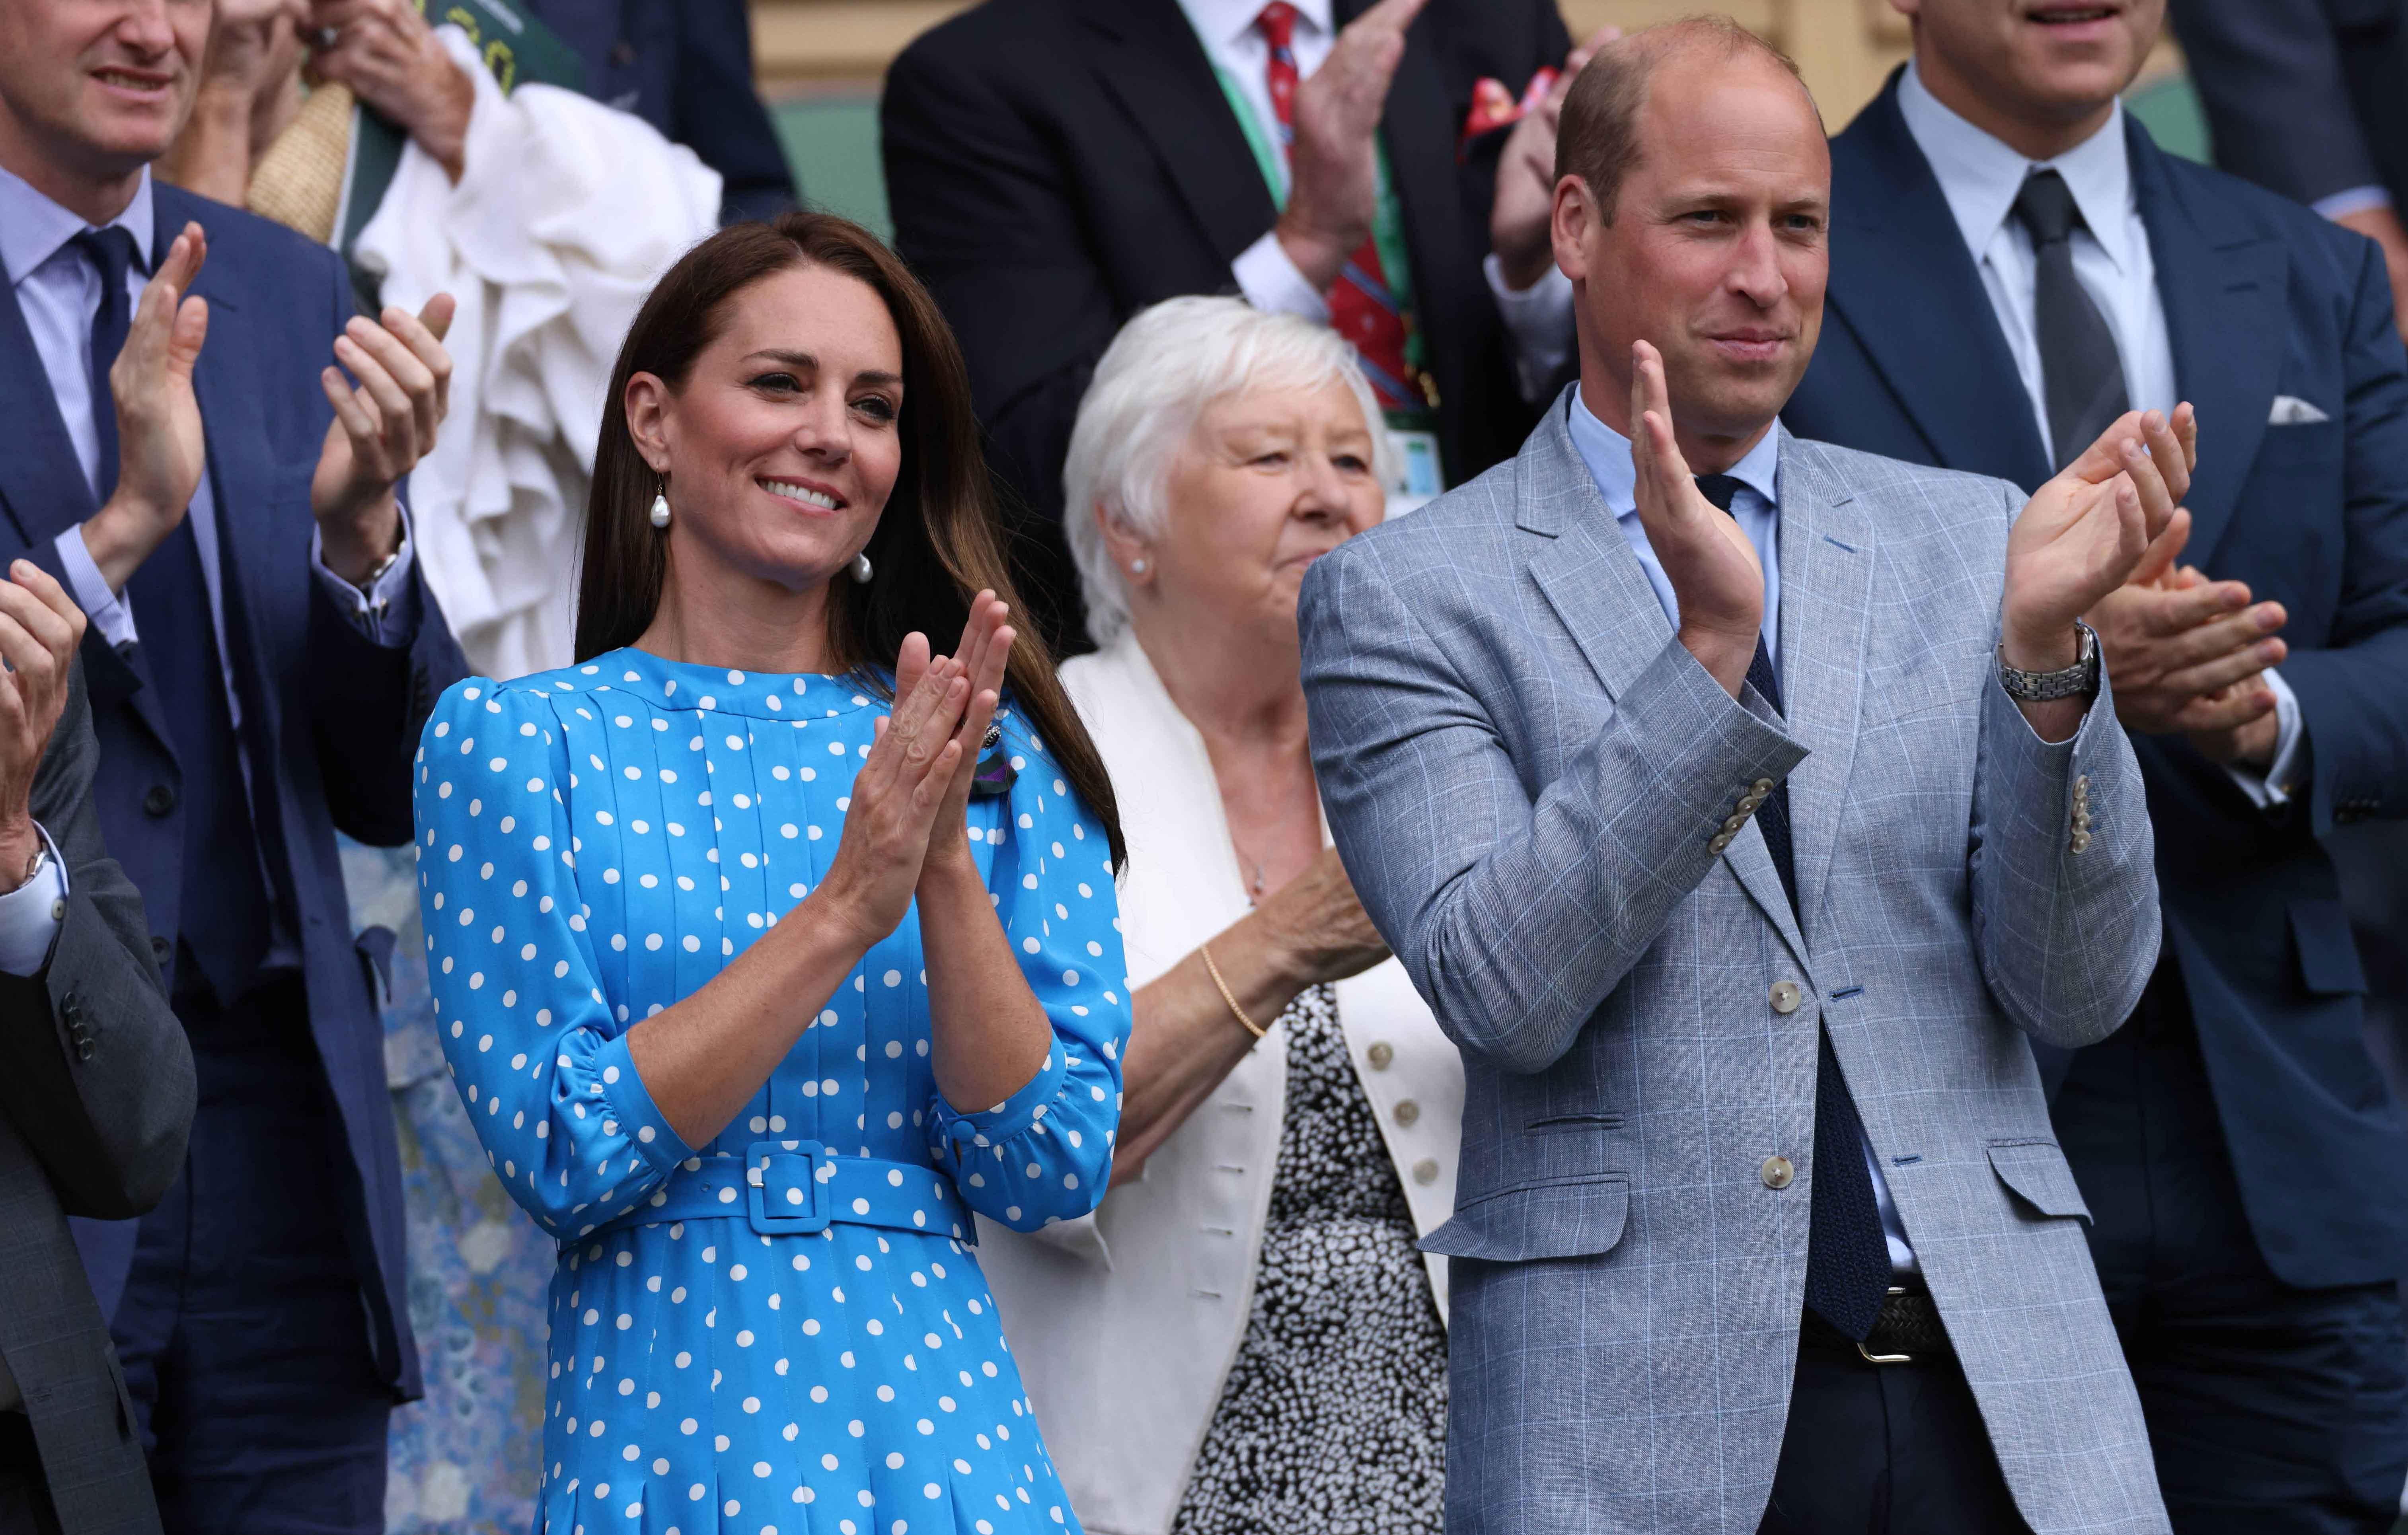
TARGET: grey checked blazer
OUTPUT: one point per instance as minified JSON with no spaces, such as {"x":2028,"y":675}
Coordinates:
{"x":1523,"y":768}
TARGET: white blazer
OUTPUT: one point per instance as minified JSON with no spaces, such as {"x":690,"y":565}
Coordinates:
{"x":1125,"y":1324}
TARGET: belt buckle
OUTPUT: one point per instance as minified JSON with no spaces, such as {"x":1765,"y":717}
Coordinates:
{"x":1871,"y":1358}
{"x":806,"y":1204}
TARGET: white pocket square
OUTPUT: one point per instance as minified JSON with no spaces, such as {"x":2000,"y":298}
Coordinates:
{"x":2291,"y":410}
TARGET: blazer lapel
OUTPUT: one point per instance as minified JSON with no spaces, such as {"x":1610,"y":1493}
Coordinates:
{"x":1908,"y":290}
{"x":1827,"y":565}
{"x":1602,"y":593}
{"x":2223,"y":285}
{"x":1149,"y":58}
{"x":42,"y":484}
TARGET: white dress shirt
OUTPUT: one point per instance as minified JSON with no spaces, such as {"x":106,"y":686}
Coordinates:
{"x":1265,"y":272}
{"x":1980,"y":176}
{"x":1757,"y":510}
{"x":58,"y":292}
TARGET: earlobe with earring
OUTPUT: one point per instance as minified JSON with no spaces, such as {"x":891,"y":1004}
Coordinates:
{"x":1136,"y":567}
{"x":861,"y":568}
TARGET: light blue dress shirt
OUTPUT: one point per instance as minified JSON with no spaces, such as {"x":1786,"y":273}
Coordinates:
{"x":58,"y":292}
{"x":1757,"y":509}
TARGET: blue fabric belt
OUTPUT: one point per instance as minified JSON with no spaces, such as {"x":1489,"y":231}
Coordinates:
{"x":801,"y":1188}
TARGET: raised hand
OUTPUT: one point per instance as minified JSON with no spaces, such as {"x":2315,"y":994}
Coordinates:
{"x":902,"y":783}
{"x":2186,"y":653}
{"x":40,"y":627}
{"x":160,"y":449}
{"x":381,"y":428}
{"x":984,"y":650}
{"x":1523,"y":210}
{"x":1334,"y":164}
{"x":390,"y":57}
{"x":2084,"y":532}
{"x":1716,"y":577}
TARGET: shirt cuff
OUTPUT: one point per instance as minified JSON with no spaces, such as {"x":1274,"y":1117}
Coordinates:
{"x":31,"y":913}
{"x":1538,"y":319}
{"x":110,"y":613}
{"x":382,"y":612}
{"x":2349,"y":200}
{"x":1270,"y":279}
{"x":2274,"y":787}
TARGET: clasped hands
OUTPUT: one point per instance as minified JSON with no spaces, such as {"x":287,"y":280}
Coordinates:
{"x":2099,"y":539}
{"x":383,"y":424}
{"x":906,"y":823}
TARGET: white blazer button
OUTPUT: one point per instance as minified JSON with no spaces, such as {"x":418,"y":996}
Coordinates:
{"x":1778,"y":1173}
{"x":1407,"y":1112}
{"x":1786,"y":995}
{"x":1381,"y":1056}
{"x":1425,"y":1171}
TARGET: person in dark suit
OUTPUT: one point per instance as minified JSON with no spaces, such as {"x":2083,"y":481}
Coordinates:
{"x":685,"y":67}
{"x":2012,"y":258}
{"x":1056,"y":165}
{"x":261,"y":654}
{"x":2304,"y":98}
{"x":95,"y":1087}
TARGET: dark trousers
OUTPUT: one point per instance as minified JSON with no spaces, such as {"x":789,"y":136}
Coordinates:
{"x":1884,"y":1449}
{"x":243,"y":1333}
{"x":2272,"y":1410}
{"x":24,"y":1492}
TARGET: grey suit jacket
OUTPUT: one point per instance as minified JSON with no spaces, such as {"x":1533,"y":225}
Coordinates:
{"x":1523,"y":768}
{"x":95,"y":1099}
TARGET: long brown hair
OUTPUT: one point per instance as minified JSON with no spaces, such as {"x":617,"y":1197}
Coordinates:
{"x":937,"y":542}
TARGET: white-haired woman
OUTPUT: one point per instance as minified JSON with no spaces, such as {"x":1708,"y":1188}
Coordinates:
{"x":1243,"y":1338}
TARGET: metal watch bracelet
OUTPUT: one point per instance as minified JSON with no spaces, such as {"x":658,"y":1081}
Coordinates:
{"x":2081,"y":679}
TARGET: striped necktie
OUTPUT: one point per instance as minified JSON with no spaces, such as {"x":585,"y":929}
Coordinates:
{"x":1361,"y":306}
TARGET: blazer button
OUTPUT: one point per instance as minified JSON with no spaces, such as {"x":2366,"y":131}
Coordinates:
{"x":1762,"y":785}
{"x":1786,"y":995}
{"x":160,"y":948}
{"x":72,"y":1010}
{"x":1731,"y":825}
{"x":58,"y":911}
{"x":1381,"y":1056}
{"x":1778,"y":1173}
{"x":1408,"y":1112}
{"x":1425,"y":1171}
{"x":1721,"y":841}
{"x":2081,"y":843}
{"x":83,"y":1049}
{"x":159,"y":800}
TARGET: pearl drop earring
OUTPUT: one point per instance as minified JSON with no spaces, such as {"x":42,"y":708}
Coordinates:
{"x":861,"y":568}
{"x":1136,"y":567}
{"x":661,"y":508}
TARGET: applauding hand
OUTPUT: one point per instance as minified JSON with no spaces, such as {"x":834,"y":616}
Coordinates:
{"x":985,"y":647}
{"x":1716,"y":577}
{"x":903,"y":783}
{"x":159,"y":444}
{"x":40,"y":627}
{"x":1334,"y":164}
{"x":381,"y":428}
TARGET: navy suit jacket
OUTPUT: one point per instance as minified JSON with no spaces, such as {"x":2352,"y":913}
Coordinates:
{"x":685,"y":67}
{"x":342,"y":714}
{"x":2262,"y":298}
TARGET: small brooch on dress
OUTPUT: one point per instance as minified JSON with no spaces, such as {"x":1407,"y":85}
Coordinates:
{"x":994,"y":769}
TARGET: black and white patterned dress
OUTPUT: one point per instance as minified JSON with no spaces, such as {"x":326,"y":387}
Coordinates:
{"x":1333,"y":1420}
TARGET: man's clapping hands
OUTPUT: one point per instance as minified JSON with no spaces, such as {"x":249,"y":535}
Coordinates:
{"x":1334,"y":164}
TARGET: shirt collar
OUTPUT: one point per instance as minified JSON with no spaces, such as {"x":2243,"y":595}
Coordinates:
{"x":34,"y":228}
{"x":1980,"y":175}
{"x":1223,"y":22}
{"x":1607,"y":453}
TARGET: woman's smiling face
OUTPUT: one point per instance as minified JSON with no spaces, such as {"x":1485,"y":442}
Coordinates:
{"x":782,"y":446}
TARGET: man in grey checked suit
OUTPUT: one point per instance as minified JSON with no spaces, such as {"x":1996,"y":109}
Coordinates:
{"x":1741,"y":829}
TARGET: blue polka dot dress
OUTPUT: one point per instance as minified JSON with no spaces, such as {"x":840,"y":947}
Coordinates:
{"x":784,"y":1331}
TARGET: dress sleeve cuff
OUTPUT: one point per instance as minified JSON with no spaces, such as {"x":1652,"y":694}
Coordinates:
{"x":1269,"y":278}
{"x":383,"y":611}
{"x":2272,"y":788}
{"x":1538,"y":319}
{"x":2349,"y":200}
{"x":1008,"y":1119}
{"x":31,"y":913}
{"x":110,"y":613}
{"x":630,"y":1103}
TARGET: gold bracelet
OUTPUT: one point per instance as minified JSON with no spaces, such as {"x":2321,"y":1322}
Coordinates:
{"x":1227,"y":995}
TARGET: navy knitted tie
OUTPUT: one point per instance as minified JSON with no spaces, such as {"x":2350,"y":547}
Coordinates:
{"x":1847,"y":1257}
{"x":112,"y":251}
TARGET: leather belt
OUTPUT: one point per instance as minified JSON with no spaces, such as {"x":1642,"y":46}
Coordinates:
{"x":1907,"y":1331}
{"x":800,"y":1188}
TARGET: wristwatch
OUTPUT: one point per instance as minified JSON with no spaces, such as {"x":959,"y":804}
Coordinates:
{"x":2081,"y":679}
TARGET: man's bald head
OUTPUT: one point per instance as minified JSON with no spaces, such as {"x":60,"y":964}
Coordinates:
{"x":1598,"y":136}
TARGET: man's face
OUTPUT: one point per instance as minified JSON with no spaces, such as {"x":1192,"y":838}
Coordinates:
{"x":2037,"y":64}
{"x":1718,"y":251}
{"x":96,"y":88}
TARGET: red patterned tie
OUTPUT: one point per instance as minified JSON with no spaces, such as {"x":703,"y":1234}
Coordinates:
{"x":1361,"y":309}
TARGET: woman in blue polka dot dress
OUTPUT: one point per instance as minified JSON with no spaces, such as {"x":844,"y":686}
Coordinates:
{"x":760,"y":964}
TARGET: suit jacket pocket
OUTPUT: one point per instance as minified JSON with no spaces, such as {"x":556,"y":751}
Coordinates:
{"x":2328,"y":955}
{"x":2035,"y":1172}
{"x":1559,"y":1217}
